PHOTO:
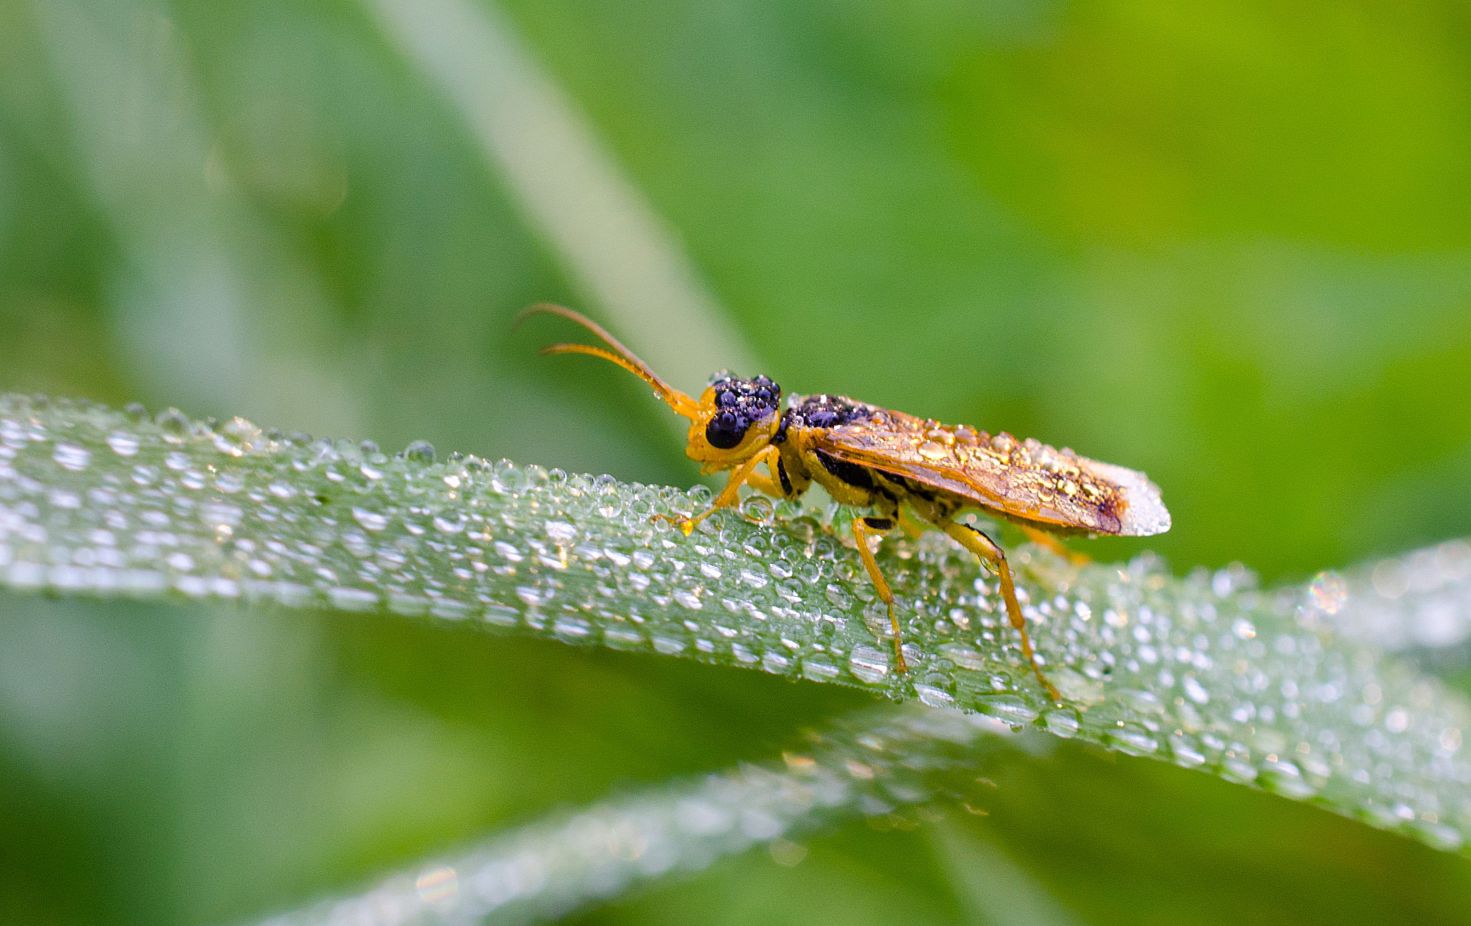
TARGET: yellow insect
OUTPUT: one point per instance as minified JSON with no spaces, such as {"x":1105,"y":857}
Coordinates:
{"x":893,"y":464}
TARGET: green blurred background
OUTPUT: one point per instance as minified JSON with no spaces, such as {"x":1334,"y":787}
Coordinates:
{"x":1226,"y":243}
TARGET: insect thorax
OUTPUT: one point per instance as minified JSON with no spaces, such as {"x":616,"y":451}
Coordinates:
{"x":821,"y":411}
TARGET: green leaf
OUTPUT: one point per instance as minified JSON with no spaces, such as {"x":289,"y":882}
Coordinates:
{"x":869,"y":765}
{"x":1204,"y":671}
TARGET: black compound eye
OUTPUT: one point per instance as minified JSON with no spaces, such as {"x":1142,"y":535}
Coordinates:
{"x":726,"y":430}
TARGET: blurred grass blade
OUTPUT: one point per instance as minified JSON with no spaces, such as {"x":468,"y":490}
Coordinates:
{"x":204,"y":290}
{"x":608,"y":237}
{"x":868,"y":766}
{"x":1418,"y":604}
{"x":1205,"y":672}
{"x":995,"y":888}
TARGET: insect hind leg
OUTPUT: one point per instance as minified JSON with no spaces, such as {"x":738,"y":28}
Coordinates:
{"x":864,"y":528}
{"x":974,"y":540}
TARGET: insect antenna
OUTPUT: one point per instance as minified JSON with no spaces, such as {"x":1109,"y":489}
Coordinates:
{"x":615,"y":353}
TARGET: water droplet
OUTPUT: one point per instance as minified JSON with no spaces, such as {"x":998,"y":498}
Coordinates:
{"x":1009,"y":709}
{"x":501,"y":615}
{"x":1134,"y":740}
{"x":753,"y":579}
{"x":1063,"y":722}
{"x":420,"y":451}
{"x":370,"y":519}
{"x":819,"y":670}
{"x":352,"y":599}
{"x":236,"y":436}
{"x":572,"y":629}
{"x":72,"y":456}
{"x":1328,"y":592}
{"x":174,"y":424}
{"x":933,"y":450}
{"x":1194,"y":690}
{"x":690,"y":598}
{"x":1186,"y":751}
{"x":122,"y":443}
{"x":868,"y":664}
{"x":449,"y":522}
{"x":758,"y":508}
{"x":840,"y":597}
{"x":531,"y":595}
{"x":776,"y":663}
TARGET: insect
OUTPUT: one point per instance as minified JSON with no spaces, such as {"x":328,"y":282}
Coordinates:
{"x":897,"y":466}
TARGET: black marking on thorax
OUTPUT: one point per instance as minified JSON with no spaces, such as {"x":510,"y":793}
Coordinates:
{"x":823,"y":411}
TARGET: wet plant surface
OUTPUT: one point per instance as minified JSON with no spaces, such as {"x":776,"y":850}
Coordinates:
{"x":1205,"y":671}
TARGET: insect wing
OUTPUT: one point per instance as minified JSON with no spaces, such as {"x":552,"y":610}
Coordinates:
{"x":1023,"y":479}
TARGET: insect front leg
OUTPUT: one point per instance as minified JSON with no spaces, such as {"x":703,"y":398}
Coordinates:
{"x":771,"y":482}
{"x":983,"y":546}
{"x":728,"y":496}
{"x":863,"y":529}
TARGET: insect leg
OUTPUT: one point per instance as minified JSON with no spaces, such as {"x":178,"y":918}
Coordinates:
{"x":984,"y":547}
{"x":767,"y":482}
{"x":861,"y":532}
{"x":1050,"y":542}
{"x":909,"y":524}
{"x":727,"y":497}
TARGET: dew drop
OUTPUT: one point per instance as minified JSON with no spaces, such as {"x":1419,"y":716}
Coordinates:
{"x":236,"y":436}
{"x":420,"y":451}
{"x":1009,"y":709}
{"x":1131,"y":739}
{"x":934,"y":696}
{"x":1063,"y":722}
{"x":758,"y":508}
{"x":369,"y":519}
{"x":72,"y":457}
{"x":500,"y":615}
{"x":351,"y":599}
{"x":174,"y":424}
{"x":868,"y":664}
{"x":776,"y":663}
{"x":753,"y":579}
{"x":688,"y":598}
{"x":1194,"y":690}
{"x":449,"y":522}
{"x":840,"y":597}
{"x":122,"y":443}
{"x":819,"y":670}
{"x":572,"y":629}
{"x":1186,"y":751}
